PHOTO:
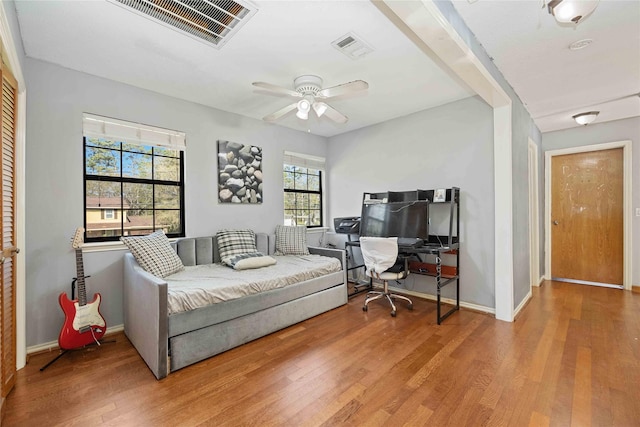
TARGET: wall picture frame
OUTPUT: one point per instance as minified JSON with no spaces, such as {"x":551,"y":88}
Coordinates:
{"x":239,"y":173}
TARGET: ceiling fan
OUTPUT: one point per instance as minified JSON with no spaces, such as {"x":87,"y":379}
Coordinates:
{"x":309,"y":89}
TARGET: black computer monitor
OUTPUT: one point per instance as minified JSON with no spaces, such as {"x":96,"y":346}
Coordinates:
{"x":396,"y":219}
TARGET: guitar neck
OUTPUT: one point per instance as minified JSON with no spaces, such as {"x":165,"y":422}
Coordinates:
{"x":82,"y":293}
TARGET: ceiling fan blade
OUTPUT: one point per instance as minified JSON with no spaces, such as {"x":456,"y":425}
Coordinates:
{"x":354,"y":86}
{"x":281,"y":112}
{"x":331,"y":113}
{"x":277,"y":89}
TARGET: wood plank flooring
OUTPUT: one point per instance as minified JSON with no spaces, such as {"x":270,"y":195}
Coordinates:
{"x":572,"y":358}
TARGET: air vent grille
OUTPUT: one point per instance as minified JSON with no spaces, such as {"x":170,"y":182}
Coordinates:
{"x":212,"y":21}
{"x":345,"y":42}
{"x":352,"y":46}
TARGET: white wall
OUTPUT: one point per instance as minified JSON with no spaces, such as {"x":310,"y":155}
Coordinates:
{"x":598,"y":133}
{"x":442,"y":147}
{"x":57,"y":97}
{"x":523,"y":128}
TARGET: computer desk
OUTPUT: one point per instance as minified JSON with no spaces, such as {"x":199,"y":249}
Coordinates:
{"x":441,"y":279}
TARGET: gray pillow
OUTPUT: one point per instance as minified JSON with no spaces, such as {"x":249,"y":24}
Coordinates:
{"x":291,"y":240}
{"x":154,"y":253}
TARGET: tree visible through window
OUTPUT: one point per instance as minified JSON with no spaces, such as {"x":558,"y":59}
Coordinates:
{"x":302,"y":196}
{"x":132,"y":189}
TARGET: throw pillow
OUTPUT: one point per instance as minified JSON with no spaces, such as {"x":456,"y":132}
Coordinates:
{"x":154,"y":253}
{"x":248,"y":261}
{"x":291,"y":240}
{"x":235,"y":242}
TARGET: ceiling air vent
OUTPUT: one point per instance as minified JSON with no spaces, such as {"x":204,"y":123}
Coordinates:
{"x":352,"y":46}
{"x":211,"y":21}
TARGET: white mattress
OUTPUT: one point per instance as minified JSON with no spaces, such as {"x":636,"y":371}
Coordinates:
{"x":202,"y":285}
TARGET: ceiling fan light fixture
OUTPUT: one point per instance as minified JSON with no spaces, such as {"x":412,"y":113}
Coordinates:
{"x":586,"y":118}
{"x":320,"y":108}
{"x":571,"y":11}
{"x":303,"y":109}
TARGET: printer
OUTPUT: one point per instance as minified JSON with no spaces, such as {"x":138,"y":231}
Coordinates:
{"x":347,"y":225}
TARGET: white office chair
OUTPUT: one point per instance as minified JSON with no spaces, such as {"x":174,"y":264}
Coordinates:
{"x":380,"y":254}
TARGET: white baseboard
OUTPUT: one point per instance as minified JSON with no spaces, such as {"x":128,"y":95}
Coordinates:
{"x":53,"y":345}
{"x":430,"y":297}
{"x":522,"y":304}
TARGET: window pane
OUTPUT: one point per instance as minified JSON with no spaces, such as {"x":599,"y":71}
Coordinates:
{"x":103,"y":210}
{"x":314,"y":183}
{"x":137,"y":148}
{"x":101,"y":190}
{"x":289,"y":201}
{"x":104,"y":162}
{"x":314,"y":201}
{"x":137,"y":197}
{"x":289,"y":168}
{"x":161,"y":151}
{"x":136,"y":165}
{"x":315,"y":216}
{"x":300,"y":181}
{"x":289,"y":217}
{"x":302,"y":201}
{"x":167,"y":197}
{"x":166,"y":168}
{"x":289,"y":180}
{"x":138,"y":223}
{"x":168,"y":221}
{"x":104,"y":143}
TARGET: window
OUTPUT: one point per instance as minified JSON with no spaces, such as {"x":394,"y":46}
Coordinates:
{"x":132,"y":185}
{"x":302,"y":190}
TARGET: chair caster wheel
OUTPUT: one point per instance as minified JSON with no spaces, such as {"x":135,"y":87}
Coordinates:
{"x":393,"y":314}
{"x":365,"y":308}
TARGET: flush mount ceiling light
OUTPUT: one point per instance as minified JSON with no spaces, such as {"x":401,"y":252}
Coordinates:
{"x":571,"y":11}
{"x":586,"y":118}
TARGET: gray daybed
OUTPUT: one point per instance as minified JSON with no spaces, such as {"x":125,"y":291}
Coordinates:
{"x":168,"y":342}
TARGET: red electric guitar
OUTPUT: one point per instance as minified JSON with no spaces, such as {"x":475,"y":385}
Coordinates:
{"x":83,"y":323}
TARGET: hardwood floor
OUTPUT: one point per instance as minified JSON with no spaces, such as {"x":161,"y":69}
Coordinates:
{"x":572,"y":358}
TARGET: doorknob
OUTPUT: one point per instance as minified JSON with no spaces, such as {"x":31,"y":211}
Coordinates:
{"x":8,"y":253}
{"x":555,"y":222}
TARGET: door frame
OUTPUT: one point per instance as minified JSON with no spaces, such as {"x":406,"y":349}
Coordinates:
{"x":626,"y":195}
{"x":9,"y":44}
{"x":534,"y":216}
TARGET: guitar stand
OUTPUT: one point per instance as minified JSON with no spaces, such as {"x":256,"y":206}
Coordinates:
{"x":63,"y":352}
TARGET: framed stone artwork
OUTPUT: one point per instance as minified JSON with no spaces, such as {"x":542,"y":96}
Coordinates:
{"x":239,"y":173}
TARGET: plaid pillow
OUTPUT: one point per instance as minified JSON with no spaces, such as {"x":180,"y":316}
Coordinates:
{"x":154,"y":253}
{"x":291,"y":240}
{"x":235,"y":242}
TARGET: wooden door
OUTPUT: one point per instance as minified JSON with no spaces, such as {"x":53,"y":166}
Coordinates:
{"x":8,"y":237}
{"x":587,"y":217}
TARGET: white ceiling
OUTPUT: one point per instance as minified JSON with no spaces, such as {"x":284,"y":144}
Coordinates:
{"x":532,"y":51}
{"x":285,"y":39}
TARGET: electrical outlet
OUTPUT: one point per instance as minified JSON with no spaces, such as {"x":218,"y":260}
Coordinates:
{"x":637,"y":211}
